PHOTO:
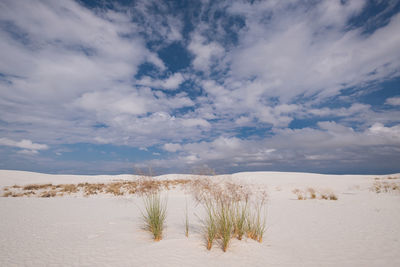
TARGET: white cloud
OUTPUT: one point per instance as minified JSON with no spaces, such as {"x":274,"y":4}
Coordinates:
{"x":66,"y":69}
{"x":329,"y":144}
{"x":170,"y":83}
{"x":296,"y":54}
{"x":27,"y":146}
{"x":191,"y":122}
{"x":205,"y":52}
{"x":170,"y":147}
{"x":394,"y":101}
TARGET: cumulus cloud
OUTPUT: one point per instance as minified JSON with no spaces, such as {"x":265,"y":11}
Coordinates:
{"x":307,"y":148}
{"x":172,"y":147}
{"x":269,"y":83}
{"x":394,"y":101}
{"x":205,"y":52}
{"x":27,"y":146}
{"x":170,"y":83}
{"x":292,"y":53}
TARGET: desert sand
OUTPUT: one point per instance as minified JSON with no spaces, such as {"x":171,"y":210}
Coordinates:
{"x":360,"y":228}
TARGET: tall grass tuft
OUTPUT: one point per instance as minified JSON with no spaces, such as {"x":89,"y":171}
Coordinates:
{"x":240,"y":216}
{"x":257,"y":221}
{"x":210,"y":223}
{"x":186,"y":221}
{"x":155,"y":214}
{"x":231,"y":210}
{"x":224,"y":215}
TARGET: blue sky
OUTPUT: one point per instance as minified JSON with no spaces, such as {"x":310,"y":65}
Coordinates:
{"x":95,"y":87}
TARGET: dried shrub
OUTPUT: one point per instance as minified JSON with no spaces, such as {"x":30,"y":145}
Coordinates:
{"x":114,"y":188}
{"x":385,"y":186}
{"x":301,"y":195}
{"x":311,"y":193}
{"x":7,"y":194}
{"x":92,"y":189}
{"x":231,"y":209}
{"x":51,"y":193}
{"x":67,"y":188}
{"x":36,"y":186}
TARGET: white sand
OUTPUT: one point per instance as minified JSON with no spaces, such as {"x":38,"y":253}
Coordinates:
{"x":362,"y":228}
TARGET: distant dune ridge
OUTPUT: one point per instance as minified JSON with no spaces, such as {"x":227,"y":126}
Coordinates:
{"x":304,"y":225}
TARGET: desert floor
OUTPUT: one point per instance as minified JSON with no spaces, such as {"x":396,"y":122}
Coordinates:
{"x":361,"y":228}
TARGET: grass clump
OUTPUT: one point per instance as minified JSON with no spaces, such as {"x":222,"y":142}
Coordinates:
{"x":31,"y":187}
{"x":210,"y":224}
{"x":311,"y":193}
{"x":301,"y":195}
{"x":240,"y":215}
{"x":224,"y":223}
{"x":385,"y":186}
{"x":231,"y":210}
{"x":7,"y":194}
{"x":154,"y":214}
{"x":257,"y":221}
{"x":186,"y":221}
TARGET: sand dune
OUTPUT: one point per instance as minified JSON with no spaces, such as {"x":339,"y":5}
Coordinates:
{"x":361,"y":228}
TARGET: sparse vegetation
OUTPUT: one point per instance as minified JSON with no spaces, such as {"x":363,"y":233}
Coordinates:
{"x":51,"y":193}
{"x":299,"y":193}
{"x":385,"y":186}
{"x":186,"y":221}
{"x":36,"y":186}
{"x":240,"y":216}
{"x":119,"y":188}
{"x":210,"y":224}
{"x":311,"y":193}
{"x":7,"y":194}
{"x":231,"y":210}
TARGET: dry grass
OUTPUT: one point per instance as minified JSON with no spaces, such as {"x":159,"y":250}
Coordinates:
{"x":36,"y":186}
{"x":382,"y":186}
{"x":7,"y":194}
{"x":114,"y":188}
{"x":120,"y":188}
{"x":311,"y":193}
{"x":68,"y":188}
{"x":186,"y":220}
{"x":92,"y":189}
{"x":232,"y":210}
{"x":301,"y":195}
{"x":51,"y":193}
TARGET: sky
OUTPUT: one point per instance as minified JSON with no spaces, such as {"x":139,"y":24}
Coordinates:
{"x":103,"y":87}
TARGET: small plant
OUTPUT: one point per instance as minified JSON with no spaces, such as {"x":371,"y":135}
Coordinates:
{"x":36,"y":186}
{"x":232,"y":210}
{"x":224,"y":223}
{"x":186,"y":221}
{"x":155,"y":214}
{"x":332,"y":196}
{"x":7,"y":194}
{"x":385,"y":186}
{"x":257,"y":221}
{"x":300,"y":194}
{"x":240,"y":216}
{"x":51,"y":193}
{"x":115,"y":189}
{"x":210,"y":224}
{"x":312,"y":193}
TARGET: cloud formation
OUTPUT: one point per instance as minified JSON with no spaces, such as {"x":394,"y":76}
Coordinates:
{"x":236,"y":85}
{"x":27,"y":146}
